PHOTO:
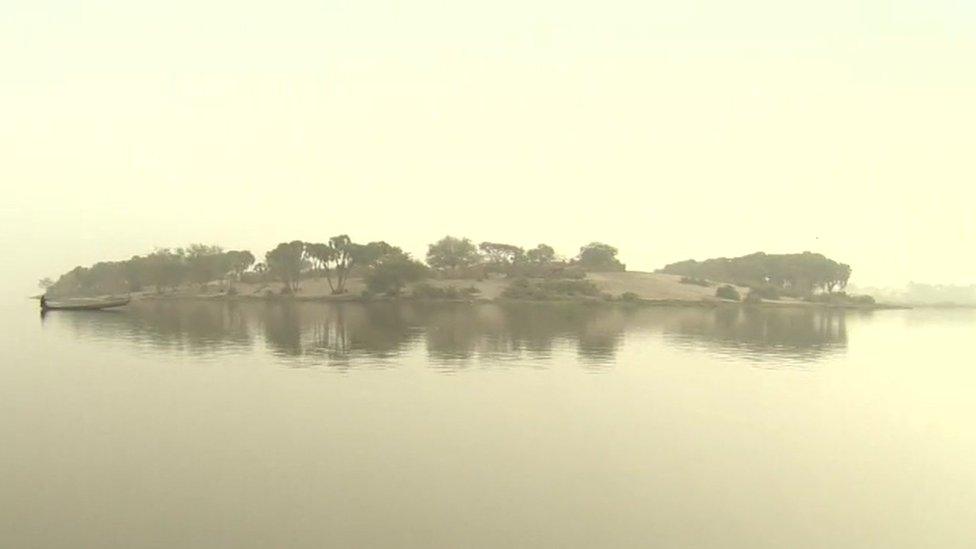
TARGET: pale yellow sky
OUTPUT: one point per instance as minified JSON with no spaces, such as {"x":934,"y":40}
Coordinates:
{"x":672,"y":131}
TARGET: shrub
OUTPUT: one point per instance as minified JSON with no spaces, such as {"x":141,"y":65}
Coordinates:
{"x":548,"y":290}
{"x":765,"y":292}
{"x":392,"y":272}
{"x":629,"y":296}
{"x":695,"y":281}
{"x":841,"y":298}
{"x":728,"y":292}
{"x":428,"y":291}
{"x":753,"y":297}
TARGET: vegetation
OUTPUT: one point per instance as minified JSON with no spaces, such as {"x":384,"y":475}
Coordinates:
{"x":765,"y":291}
{"x":792,"y":274}
{"x":428,"y":291}
{"x":549,"y":290}
{"x":753,"y":296}
{"x":537,"y":273}
{"x":163,"y":268}
{"x":843,"y":299}
{"x":597,"y":256}
{"x":452,"y":253}
{"x":542,"y":254}
{"x":727,"y":292}
{"x":391,"y":272}
{"x":286,"y":262}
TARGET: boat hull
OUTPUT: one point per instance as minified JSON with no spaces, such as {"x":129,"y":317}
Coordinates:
{"x":91,"y":306}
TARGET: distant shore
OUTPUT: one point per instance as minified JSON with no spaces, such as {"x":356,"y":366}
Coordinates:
{"x":630,"y":287}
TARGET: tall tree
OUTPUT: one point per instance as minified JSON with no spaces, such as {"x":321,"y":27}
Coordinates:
{"x":343,"y":259}
{"x":541,"y":254}
{"x":501,"y":254}
{"x":452,"y":253}
{"x":322,"y":256}
{"x":598,"y":256}
{"x":240,"y":261}
{"x":392,"y":272}
{"x":285,"y":263}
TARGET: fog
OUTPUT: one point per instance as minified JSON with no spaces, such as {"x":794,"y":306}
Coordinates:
{"x":670,"y":131}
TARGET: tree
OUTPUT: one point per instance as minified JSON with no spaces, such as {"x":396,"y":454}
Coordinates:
{"x":164,"y":268}
{"x":541,"y":254}
{"x":840,"y":273}
{"x":452,"y":253}
{"x":597,"y":256}
{"x":285,"y":263}
{"x":204,"y":262}
{"x":392,"y":272}
{"x":501,"y":254}
{"x":239,"y":262}
{"x":343,"y":260}
{"x":793,"y":274}
{"x":366,"y":255}
{"x":339,"y":256}
{"x":45,"y":283}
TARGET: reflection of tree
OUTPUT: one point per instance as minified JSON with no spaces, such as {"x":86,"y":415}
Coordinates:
{"x":456,"y":334}
{"x":194,"y":326}
{"x":283,"y":328}
{"x":459,"y":332}
{"x":787,"y":331}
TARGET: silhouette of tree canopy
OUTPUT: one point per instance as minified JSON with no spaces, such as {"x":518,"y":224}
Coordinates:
{"x":390,"y":273}
{"x":452,"y":253}
{"x":341,"y":255}
{"x":163,"y":268}
{"x":285,"y":263}
{"x":541,"y":254}
{"x":501,"y":254}
{"x":798,"y":274}
{"x":239,"y":262}
{"x":597,"y":256}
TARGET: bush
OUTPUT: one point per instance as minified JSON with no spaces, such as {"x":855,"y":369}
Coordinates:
{"x":428,"y":291}
{"x":629,"y":296}
{"x":549,"y":290}
{"x":695,"y":281}
{"x":841,"y":298}
{"x":545,"y":270}
{"x":392,"y":272}
{"x":765,"y":292}
{"x":728,"y":292}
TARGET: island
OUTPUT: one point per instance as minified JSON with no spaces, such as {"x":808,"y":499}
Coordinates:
{"x":340,"y":269}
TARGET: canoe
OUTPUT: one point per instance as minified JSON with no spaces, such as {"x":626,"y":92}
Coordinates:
{"x":84,"y":304}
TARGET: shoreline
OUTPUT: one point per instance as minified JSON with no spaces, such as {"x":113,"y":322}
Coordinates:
{"x":628,"y":288}
{"x":350,"y":298}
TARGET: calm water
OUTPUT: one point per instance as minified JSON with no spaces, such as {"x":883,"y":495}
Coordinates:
{"x":267,"y":425}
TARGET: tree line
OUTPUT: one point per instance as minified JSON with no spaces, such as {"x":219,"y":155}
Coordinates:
{"x":386,"y":268}
{"x":792,"y":274}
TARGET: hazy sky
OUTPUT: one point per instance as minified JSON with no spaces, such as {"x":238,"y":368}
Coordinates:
{"x":670,"y":129}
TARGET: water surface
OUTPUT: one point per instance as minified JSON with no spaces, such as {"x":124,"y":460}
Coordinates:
{"x":191,"y":424}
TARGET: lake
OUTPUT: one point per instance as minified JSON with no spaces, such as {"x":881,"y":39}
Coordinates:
{"x":202,"y":425}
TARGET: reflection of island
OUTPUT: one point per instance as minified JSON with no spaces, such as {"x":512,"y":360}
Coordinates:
{"x":198,"y":327}
{"x":453,"y":335}
{"x":801,"y":332}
